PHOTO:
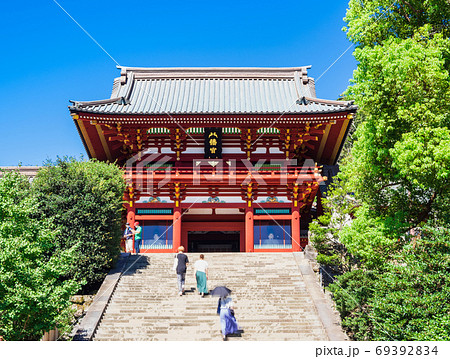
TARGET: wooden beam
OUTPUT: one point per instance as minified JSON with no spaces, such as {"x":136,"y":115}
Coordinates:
{"x":272,"y":217}
{"x":116,"y":138}
{"x":161,"y":217}
{"x":86,"y":138}
{"x":339,"y":139}
{"x":323,"y":142}
{"x":103,"y":141}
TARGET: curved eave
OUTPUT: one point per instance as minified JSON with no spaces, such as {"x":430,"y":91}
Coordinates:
{"x":343,"y":141}
{"x":82,"y":138}
{"x":351,"y":109}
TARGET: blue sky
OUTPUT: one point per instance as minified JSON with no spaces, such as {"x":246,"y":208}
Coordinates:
{"x":47,"y":60}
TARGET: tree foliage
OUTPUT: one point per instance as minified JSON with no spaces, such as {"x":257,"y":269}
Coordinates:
{"x":403,"y":89}
{"x":34,"y":297}
{"x":397,"y":171}
{"x":370,"y":22}
{"x":84,"y":201}
{"x":408,"y":300}
{"x":327,"y":228}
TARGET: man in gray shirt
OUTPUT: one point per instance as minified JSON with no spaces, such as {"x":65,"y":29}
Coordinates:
{"x":180,"y":265}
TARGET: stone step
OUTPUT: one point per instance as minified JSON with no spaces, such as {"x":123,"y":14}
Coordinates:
{"x":270,"y":297}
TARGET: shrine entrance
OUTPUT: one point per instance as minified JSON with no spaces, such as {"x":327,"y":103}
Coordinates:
{"x":213,"y":236}
{"x":213,"y":241}
{"x":197,"y":186}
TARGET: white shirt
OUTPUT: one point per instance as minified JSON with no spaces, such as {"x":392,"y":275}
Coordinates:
{"x":226,"y":303}
{"x":201,"y":265}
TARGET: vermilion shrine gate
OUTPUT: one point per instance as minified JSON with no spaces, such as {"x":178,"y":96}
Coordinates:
{"x":217,"y":159}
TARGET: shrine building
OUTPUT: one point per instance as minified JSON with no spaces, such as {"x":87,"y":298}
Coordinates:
{"x":217,"y":159}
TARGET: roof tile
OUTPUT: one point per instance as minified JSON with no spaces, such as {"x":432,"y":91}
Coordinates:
{"x":213,"y":91}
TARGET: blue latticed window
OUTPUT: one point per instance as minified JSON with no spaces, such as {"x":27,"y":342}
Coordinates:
{"x":157,"y":235}
{"x":154,"y":211}
{"x":266,"y":211}
{"x":272,"y":234}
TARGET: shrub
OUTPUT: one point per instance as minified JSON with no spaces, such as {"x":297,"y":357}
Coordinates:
{"x":34,"y":295}
{"x":84,"y":201}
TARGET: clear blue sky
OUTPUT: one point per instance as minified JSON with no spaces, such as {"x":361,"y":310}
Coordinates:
{"x":47,"y":60}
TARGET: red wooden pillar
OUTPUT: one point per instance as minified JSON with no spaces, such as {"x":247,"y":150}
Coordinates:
{"x":295,"y":229}
{"x":131,"y":215}
{"x":131,"y":218}
{"x":176,"y":228}
{"x":248,"y":195}
{"x":295,"y":217}
{"x":177,"y":196}
{"x":130,"y":198}
{"x":249,"y":236}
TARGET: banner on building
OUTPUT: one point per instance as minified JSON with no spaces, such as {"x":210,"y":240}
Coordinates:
{"x":213,"y":142}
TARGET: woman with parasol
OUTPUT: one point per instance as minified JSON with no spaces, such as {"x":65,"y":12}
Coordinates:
{"x":228,"y":323}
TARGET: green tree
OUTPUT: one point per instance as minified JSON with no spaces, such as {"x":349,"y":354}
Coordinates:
{"x":403,"y":89}
{"x":339,"y":209}
{"x":408,"y":300}
{"x":84,"y":201}
{"x":34,"y":297}
{"x":370,"y":22}
{"x":398,"y":171}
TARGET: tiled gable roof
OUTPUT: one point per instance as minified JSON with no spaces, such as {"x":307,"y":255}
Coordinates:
{"x":142,"y":91}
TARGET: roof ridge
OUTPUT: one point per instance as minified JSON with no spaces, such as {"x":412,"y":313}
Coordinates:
{"x":211,"y":72}
{"x":215,"y":68}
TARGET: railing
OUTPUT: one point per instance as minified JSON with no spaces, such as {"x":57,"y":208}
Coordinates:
{"x":226,"y":178}
{"x":177,"y":171}
{"x":273,"y":246}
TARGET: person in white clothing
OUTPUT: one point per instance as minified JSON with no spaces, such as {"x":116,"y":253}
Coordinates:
{"x":128,"y":235}
{"x":228,"y":323}
{"x":201,"y":275}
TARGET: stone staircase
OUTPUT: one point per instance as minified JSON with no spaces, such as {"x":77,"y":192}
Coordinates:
{"x":270,"y":296}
